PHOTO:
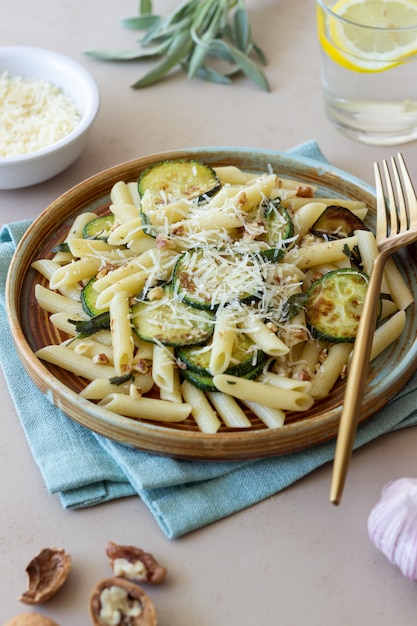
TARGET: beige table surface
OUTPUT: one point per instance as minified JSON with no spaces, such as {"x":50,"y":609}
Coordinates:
{"x":293,"y":559}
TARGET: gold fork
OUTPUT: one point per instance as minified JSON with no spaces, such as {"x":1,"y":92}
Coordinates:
{"x":396,"y":227}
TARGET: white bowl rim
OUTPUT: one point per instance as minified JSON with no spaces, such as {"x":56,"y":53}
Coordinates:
{"x":87,"y":117}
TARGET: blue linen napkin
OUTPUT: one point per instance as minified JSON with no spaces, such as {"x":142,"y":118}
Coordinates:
{"x":87,"y":469}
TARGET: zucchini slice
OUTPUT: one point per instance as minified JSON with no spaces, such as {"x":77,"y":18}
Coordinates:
{"x":206,"y":382}
{"x":99,"y":228}
{"x":170,"y":321}
{"x":244,"y":358}
{"x":336,"y":222}
{"x":206,"y":278}
{"x":88,"y":299}
{"x":170,"y":180}
{"x":334,"y":304}
{"x":271,"y":226}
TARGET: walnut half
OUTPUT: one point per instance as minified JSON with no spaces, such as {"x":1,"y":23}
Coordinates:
{"x":120,"y":602}
{"x":134,"y":564}
{"x":47,"y":572}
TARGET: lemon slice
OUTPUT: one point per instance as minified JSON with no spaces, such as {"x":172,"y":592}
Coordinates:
{"x":391,"y":38}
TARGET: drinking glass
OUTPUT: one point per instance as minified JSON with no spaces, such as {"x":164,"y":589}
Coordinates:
{"x":369,"y":70}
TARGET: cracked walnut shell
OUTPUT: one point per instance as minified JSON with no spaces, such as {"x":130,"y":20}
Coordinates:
{"x":121,"y":602}
{"x":134,"y":564}
{"x":47,"y":572}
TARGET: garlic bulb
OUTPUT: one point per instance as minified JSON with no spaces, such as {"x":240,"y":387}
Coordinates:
{"x":392,"y":525}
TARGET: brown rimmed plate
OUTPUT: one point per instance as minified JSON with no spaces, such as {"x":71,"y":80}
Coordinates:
{"x":31,"y":328}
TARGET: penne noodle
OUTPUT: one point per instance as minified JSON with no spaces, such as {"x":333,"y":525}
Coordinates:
{"x":152,"y":409}
{"x":55,"y":302}
{"x":387,"y":333}
{"x":78,"y":364}
{"x":123,"y":212}
{"x":306,"y":216}
{"x":222,"y":342}
{"x":120,"y":193}
{"x":229,"y":410}
{"x":273,"y":418}
{"x":264,"y":338}
{"x":47,"y":268}
{"x":399,"y":291}
{"x":74,"y":272}
{"x":265,"y":394}
{"x":319,"y":253}
{"x":163,"y":367}
{"x":121,"y":332}
{"x":283,"y":382}
{"x":99,"y":388}
{"x":201,"y":410}
{"x":330,"y":370}
{"x":173,"y":395}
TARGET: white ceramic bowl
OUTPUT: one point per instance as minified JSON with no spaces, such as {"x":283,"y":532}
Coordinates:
{"x":74,"y":80}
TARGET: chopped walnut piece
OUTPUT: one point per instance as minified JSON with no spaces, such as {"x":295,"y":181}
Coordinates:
{"x":117,"y":601}
{"x":303,"y":375}
{"x":134,"y":564}
{"x":30,"y":619}
{"x":101,"y":359}
{"x":140,"y":366}
{"x":47,"y":572}
{"x":304,"y":191}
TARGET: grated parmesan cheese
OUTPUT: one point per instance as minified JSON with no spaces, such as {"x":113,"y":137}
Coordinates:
{"x":34,"y":114}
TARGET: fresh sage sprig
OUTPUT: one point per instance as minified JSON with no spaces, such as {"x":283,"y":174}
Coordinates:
{"x":208,"y":39}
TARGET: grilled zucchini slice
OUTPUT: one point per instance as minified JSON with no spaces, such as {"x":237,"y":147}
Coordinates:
{"x":270,"y":225}
{"x":88,"y":299}
{"x":336,"y":222}
{"x":173,"y":179}
{"x":244,"y":358}
{"x":334,"y":304}
{"x":206,"y":278}
{"x":99,"y":228}
{"x":206,"y":382}
{"x":170,"y":321}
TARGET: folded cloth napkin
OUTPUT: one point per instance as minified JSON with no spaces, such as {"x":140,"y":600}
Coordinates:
{"x":86,"y":469}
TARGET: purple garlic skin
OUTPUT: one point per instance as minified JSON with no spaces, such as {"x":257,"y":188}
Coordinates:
{"x":392,"y":525}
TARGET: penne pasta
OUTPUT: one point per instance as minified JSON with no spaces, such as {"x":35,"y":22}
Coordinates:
{"x":121,"y":332}
{"x":100,"y":388}
{"x":272,"y":418}
{"x":163,"y":368}
{"x":201,"y":410}
{"x":229,"y":410}
{"x":265,"y":394}
{"x":146,"y":408}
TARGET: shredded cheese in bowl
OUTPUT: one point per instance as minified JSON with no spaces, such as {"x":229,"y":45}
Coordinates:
{"x":34,"y":114}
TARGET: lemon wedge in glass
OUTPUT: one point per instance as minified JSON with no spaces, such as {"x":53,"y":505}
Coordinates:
{"x":369,"y":35}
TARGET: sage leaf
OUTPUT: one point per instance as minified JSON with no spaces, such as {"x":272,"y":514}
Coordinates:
{"x":248,"y":67}
{"x":179,"y":49}
{"x":140,"y":23}
{"x":241,"y":29}
{"x":128,"y":55}
{"x":213,"y":76}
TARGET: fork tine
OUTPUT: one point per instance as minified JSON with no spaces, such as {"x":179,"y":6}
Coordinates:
{"x":391,"y":208}
{"x":410,"y":191}
{"x":381,"y":210}
{"x":401,"y":208}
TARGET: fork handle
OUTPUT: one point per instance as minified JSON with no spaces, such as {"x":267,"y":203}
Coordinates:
{"x":355,"y":384}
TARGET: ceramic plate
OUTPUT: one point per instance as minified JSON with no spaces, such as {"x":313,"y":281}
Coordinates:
{"x":32,"y":330}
